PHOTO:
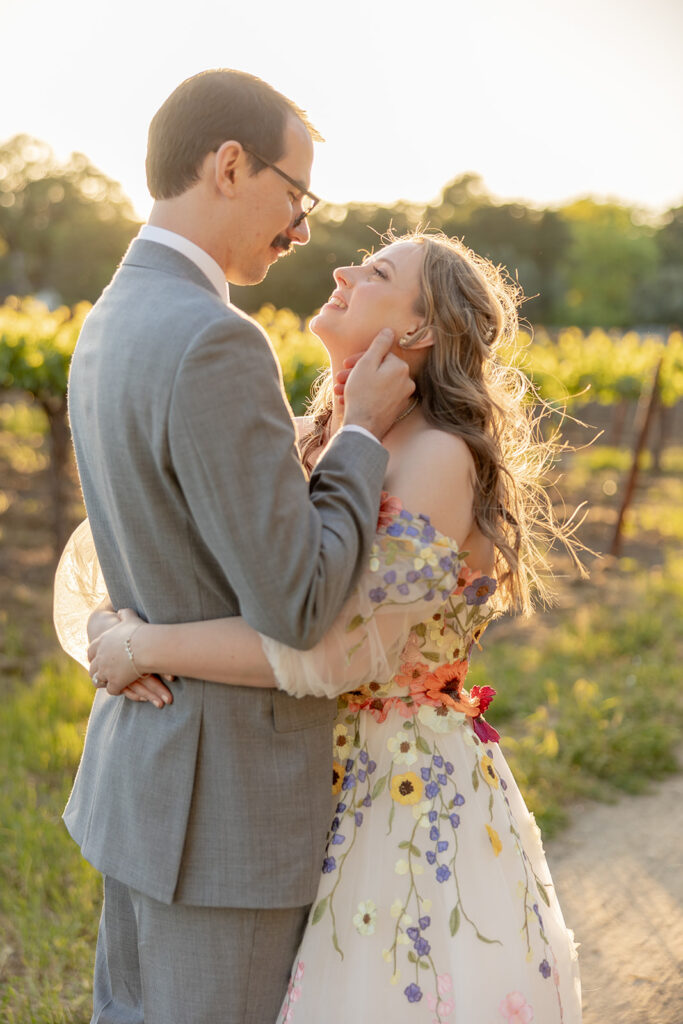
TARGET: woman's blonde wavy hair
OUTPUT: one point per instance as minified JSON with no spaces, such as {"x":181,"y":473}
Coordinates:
{"x":469,"y":387}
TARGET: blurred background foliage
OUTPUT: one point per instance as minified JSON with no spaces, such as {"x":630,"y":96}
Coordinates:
{"x":64,"y":227}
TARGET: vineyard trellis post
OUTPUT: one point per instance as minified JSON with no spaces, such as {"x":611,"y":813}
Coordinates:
{"x":645,"y":413}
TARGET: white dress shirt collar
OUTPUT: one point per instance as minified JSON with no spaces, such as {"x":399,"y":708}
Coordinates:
{"x":199,"y":257}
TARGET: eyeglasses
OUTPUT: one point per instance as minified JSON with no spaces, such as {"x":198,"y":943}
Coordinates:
{"x":309,"y":201}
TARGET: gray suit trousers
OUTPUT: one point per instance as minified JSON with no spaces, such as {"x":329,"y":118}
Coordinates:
{"x":159,"y":963}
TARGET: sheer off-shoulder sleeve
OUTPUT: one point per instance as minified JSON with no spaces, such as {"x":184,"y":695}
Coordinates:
{"x":412,"y":571}
{"x":79,"y":589}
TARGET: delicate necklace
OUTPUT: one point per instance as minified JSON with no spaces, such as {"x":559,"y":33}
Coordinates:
{"x":406,"y":412}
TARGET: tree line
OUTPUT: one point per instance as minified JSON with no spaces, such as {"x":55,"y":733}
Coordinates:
{"x":65,"y":226}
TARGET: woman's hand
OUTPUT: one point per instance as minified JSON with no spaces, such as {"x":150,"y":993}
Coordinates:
{"x":112,"y":667}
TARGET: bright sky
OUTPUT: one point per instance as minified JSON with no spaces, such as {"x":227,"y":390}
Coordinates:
{"x":546,"y":99}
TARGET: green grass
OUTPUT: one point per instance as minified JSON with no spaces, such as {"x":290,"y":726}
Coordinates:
{"x":49,"y":896}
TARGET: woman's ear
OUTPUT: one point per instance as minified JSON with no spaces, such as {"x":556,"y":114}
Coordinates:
{"x":419,"y":337}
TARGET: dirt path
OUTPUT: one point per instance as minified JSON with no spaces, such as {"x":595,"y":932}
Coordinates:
{"x":618,"y":870}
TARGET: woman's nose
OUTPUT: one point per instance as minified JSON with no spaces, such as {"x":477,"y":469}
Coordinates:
{"x":342,"y":275}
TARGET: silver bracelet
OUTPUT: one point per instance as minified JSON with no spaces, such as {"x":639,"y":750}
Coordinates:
{"x":126,"y":644}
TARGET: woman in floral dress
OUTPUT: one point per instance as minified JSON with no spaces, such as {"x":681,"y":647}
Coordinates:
{"x":435,"y":902}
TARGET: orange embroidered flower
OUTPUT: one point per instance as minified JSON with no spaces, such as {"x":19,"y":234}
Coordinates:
{"x":465,"y":577}
{"x":388,"y":508}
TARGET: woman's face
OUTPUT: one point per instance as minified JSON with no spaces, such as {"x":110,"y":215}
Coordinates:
{"x":381,"y":292}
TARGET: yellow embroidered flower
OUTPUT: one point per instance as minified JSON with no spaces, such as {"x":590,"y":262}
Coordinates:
{"x":395,"y":978}
{"x":401,"y":867}
{"x":387,"y":956}
{"x":337,"y":776}
{"x":406,"y":788}
{"x":396,"y":908}
{"x":365,"y":918}
{"x":426,"y":905}
{"x":489,"y":771}
{"x":403,"y":748}
{"x":495,"y":840}
{"x":342,"y":742}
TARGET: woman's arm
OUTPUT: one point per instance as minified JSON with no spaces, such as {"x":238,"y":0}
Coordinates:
{"x":220,"y":650}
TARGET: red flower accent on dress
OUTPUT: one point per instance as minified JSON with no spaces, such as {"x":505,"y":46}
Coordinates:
{"x":388,"y":508}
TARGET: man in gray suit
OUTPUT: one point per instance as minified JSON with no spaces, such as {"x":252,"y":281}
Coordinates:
{"x":208,"y":820}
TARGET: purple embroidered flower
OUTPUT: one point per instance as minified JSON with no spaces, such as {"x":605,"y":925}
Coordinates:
{"x":428,"y":534}
{"x":403,"y":588}
{"x":431,"y":856}
{"x":412,"y":576}
{"x":362,"y":775}
{"x":371,"y":767}
{"x":544,"y":968}
{"x":503,"y":783}
{"x":363,"y":757}
{"x":395,"y":530}
{"x":458,"y":800}
{"x":405,"y":514}
{"x":446,"y":563}
{"x":433,"y":833}
{"x":424,"y":922}
{"x":422,"y":947}
{"x":438,"y":760}
{"x":358,"y":818}
{"x":455,"y":819}
{"x":442,"y":779}
{"x":429,"y":596}
{"x":445,"y":594}
{"x":432,"y":816}
{"x":390,"y":577}
{"x":449,"y":768}
{"x":367,"y":801}
{"x":425,"y":773}
{"x":349,"y":764}
{"x":340,"y":808}
{"x":349,"y":782}
{"x":378,"y":594}
{"x":431,"y":790}
{"x":412,"y":531}
{"x":329,"y":864}
{"x":338,"y":839}
{"x":442,"y":846}
{"x":442,"y":873}
{"x":480,"y":590}
{"x":413,"y":993}
{"x":428,"y":572}
{"x":335,"y":824}
{"x":413,"y":933}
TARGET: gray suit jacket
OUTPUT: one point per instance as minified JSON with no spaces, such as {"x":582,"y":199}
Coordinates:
{"x":200,"y":509}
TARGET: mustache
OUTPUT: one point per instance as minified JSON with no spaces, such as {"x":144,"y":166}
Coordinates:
{"x":282,"y":242}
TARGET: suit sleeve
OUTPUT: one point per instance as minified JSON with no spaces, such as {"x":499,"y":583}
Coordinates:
{"x":291,"y":551}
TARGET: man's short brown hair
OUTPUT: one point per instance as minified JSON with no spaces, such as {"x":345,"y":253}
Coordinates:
{"x":203,"y":113}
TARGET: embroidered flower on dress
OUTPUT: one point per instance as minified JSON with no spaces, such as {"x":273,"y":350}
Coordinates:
{"x":440,"y":719}
{"x":480,"y":590}
{"x":403,"y":748}
{"x":389,"y":507}
{"x":489,"y":771}
{"x":413,"y":993}
{"x":337,"y":776}
{"x":365,"y":918}
{"x":515,"y":1009}
{"x":342,"y":742}
{"x":406,"y":788}
{"x":495,"y":840}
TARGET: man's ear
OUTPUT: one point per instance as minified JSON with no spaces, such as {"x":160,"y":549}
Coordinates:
{"x":229,"y":161}
{"x":419,"y":337}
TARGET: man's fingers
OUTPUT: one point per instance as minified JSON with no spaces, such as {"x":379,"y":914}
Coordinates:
{"x":380,"y":347}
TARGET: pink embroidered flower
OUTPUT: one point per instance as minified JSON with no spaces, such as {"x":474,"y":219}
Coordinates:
{"x":388,"y":508}
{"x":515,"y":1009}
{"x":444,"y":985}
{"x":465,"y":577}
